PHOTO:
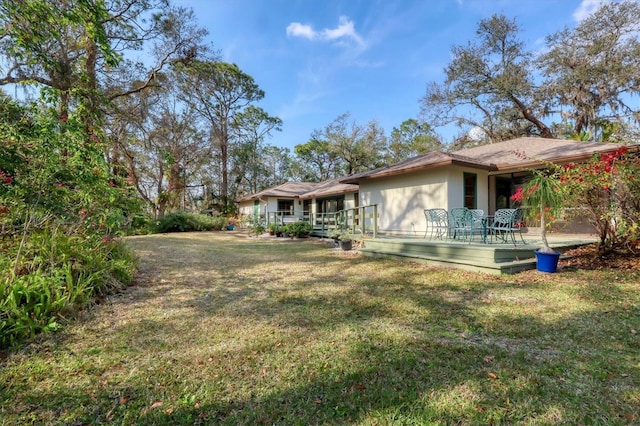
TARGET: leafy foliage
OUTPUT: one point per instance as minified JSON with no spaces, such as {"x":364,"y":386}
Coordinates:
{"x":63,"y":274}
{"x":76,"y":50}
{"x":185,"y":222}
{"x":489,"y":85}
{"x":589,"y":76}
{"x":61,"y":211}
{"x":591,"y":69}
{"x":606,"y":190}
{"x":343,"y":147}
{"x":543,"y":195}
{"x":299,"y":229}
{"x":410,"y":139}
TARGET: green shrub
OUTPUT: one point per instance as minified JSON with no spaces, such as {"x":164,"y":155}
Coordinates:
{"x":55,"y":276}
{"x":299,"y":229}
{"x":218,"y":222}
{"x":189,"y":222}
{"x":62,"y":205}
{"x":141,"y":224}
{"x":274,"y":227}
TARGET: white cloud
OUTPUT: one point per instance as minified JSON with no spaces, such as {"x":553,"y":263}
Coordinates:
{"x":297,"y":29}
{"x":345,"y":30}
{"x":586,"y":8}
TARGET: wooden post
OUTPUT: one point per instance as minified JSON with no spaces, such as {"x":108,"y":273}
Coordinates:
{"x":375,"y":221}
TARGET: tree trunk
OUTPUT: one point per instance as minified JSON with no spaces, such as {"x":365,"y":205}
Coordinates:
{"x":543,"y":230}
{"x":545,"y":131}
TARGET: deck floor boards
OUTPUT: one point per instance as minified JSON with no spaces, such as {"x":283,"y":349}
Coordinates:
{"x":495,"y":258}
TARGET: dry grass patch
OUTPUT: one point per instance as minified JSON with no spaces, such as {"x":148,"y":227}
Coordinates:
{"x":225,"y":329}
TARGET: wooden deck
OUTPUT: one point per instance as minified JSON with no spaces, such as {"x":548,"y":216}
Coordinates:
{"x":496,"y":258}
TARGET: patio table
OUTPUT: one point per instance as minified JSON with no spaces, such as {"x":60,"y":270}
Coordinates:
{"x":485,"y":221}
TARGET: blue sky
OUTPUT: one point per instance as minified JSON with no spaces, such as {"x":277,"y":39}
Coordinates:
{"x":317,"y":59}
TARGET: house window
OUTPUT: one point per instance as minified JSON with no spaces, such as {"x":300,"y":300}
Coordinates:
{"x":330,"y":205}
{"x":470,"y":190}
{"x":285,"y":207}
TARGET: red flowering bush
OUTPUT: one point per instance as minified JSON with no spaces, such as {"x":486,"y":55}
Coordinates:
{"x":606,"y":191}
{"x":5,"y":178}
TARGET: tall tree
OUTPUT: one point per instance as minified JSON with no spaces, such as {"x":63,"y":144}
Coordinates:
{"x":219,"y":91}
{"x":250,"y":128}
{"x":277,"y":165}
{"x":487,"y":82}
{"x":343,"y":147}
{"x":159,"y":146}
{"x":316,"y":161}
{"x":592,"y":73}
{"x":359,"y":148}
{"x":75,"y":49}
{"x":411,"y":138}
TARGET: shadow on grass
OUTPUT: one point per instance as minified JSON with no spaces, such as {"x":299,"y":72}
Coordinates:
{"x":351,"y":345}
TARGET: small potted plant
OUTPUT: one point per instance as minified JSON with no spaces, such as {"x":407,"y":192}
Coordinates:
{"x":343,"y":237}
{"x":232,"y":222}
{"x":543,"y":194}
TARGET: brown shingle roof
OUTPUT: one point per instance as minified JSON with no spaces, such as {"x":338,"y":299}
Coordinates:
{"x":520,"y":153}
{"x":288,"y":190}
{"x":530,"y":152}
{"x":421,"y":162}
{"x":330,"y":187}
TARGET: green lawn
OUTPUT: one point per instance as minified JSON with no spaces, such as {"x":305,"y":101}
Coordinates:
{"x":223,"y":329}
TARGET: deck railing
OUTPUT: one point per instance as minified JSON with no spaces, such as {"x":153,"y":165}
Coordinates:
{"x":362,"y":220}
{"x":284,"y":217}
{"x":324,"y":222}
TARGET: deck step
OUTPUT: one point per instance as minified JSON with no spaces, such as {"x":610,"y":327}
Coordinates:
{"x":466,"y":264}
{"x":476,"y":256}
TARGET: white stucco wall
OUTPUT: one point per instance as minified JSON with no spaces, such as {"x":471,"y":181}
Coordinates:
{"x":270,"y":204}
{"x":456,"y":187}
{"x":246,"y":208}
{"x":349,"y":200}
{"x":402,"y":199}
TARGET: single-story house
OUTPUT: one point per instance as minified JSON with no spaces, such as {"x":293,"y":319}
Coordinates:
{"x":331,"y":196}
{"x":283,"y":198}
{"x":293,"y":201}
{"x":483,"y":177}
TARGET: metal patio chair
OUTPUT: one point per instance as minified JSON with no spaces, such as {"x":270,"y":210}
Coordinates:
{"x":427,"y":217}
{"x":506,"y":222}
{"x":437,"y":223}
{"x":461,"y":223}
{"x":480,"y":223}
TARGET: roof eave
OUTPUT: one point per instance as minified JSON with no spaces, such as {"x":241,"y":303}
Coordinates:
{"x":327,"y":194}
{"x":448,"y":162}
{"x":539,"y":163}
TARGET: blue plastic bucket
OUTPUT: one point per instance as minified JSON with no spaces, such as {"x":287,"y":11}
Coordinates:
{"x":547,"y":262}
